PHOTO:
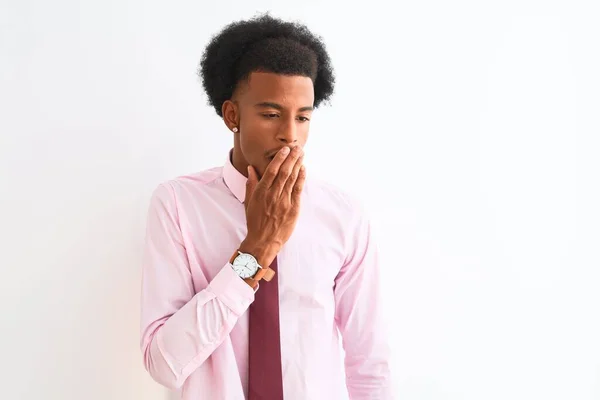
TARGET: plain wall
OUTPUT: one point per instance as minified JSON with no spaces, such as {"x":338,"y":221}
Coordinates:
{"x":470,"y":130}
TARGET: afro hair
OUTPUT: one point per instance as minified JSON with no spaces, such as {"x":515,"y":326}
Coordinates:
{"x":264,"y":44}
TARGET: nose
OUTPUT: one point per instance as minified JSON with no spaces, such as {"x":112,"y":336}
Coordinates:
{"x":288,"y":133}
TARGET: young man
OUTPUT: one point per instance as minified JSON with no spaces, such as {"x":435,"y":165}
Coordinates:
{"x":253,"y":270}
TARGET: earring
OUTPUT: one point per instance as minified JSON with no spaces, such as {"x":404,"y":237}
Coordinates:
{"x":235,"y":129}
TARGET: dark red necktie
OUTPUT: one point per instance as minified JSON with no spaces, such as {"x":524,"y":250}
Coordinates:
{"x":265,"y":377}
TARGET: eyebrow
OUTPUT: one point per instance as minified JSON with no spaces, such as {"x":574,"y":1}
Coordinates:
{"x":267,"y":104}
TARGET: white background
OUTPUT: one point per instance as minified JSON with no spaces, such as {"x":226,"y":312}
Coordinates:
{"x":470,"y":129}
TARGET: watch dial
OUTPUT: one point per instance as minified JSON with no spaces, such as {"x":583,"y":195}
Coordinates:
{"x":245,"y":266}
{"x":245,"y":259}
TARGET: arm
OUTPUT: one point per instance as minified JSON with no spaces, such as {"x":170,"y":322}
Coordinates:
{"x":359,"y":319}
{"x":180,"y":328}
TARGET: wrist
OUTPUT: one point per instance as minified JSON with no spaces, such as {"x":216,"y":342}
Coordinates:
{"x":263,"y":252}
{"x":251,"y":282}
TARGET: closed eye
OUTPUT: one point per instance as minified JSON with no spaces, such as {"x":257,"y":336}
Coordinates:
{"x":271,"y":116}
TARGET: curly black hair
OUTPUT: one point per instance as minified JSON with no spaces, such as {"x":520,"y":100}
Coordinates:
{"x":264,"y":44}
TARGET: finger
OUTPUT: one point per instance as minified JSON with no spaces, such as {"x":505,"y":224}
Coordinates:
{"x":291,"y":181}
{"x":250,"y":184}
{"x":273,"y":168}
{"x":286,"y":170}
{"x":298,"y":186}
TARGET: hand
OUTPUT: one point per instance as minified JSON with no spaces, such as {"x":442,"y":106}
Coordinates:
{"x":273,"y":204}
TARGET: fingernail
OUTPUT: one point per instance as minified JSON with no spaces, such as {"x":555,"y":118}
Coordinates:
{"x":285,"y":150}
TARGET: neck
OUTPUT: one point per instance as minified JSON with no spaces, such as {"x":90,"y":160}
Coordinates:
{"x":239,"y":162}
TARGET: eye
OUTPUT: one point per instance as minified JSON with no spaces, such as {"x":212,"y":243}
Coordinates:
{"x":303,"y":119}
{"x":271,"y":115}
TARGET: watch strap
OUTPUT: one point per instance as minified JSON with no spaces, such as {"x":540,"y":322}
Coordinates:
{"x":264,"y":273}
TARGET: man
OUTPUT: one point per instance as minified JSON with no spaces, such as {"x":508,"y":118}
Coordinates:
{"x":253,"y":270}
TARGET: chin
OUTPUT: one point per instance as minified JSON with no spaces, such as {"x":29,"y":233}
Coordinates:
{"x":265,"y":163}
{"x":260,"y":165}
{"x":261,"y":170}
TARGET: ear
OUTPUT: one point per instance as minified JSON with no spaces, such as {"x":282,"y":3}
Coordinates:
{"x":230,"y":112}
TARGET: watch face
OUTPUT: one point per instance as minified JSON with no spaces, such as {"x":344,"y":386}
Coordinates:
{"x":245,"y":266}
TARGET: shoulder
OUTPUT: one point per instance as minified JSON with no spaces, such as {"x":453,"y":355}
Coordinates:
{"x":194,"y":180}
{"x":167,"y":191}
{"x":340,"y":212}
{"x":334,"y":199}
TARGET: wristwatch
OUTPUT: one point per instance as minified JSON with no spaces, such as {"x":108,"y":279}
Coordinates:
{"x":246,"y":266}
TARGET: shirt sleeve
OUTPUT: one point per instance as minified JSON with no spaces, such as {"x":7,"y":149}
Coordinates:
{"x":359,"y":316}
{"x":179,"y":327}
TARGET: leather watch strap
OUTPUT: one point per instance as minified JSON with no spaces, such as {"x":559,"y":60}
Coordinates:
{"x":264,"y":273}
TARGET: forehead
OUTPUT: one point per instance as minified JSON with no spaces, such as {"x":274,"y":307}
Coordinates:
{"x":289,"y":91}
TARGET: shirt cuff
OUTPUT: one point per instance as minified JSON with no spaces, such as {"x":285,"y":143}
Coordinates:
{"x":232,"y":290}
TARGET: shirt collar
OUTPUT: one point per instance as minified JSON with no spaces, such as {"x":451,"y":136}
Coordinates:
{"x":235,"y":181}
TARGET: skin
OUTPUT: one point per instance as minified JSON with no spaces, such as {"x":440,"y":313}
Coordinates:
{"x":270,"y":111}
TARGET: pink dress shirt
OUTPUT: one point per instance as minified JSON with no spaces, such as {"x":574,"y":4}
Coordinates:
{"x":194,"y":320}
